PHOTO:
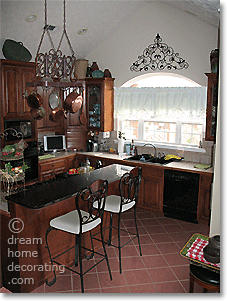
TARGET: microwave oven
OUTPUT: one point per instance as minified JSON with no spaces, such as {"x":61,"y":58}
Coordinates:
{"x":14,"y":127}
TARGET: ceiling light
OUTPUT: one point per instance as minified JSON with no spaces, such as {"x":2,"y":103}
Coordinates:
{"x":82,"y":31}
{"x":31,"y":18}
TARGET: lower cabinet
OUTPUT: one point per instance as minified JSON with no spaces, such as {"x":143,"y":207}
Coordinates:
{"x":204,"y":206}
{"x":151,"y":189}
{"x":48,"y":170}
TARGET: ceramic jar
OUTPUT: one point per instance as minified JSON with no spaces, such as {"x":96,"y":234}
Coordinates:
{"x":107,"y":74}
{"x":94,"y":66}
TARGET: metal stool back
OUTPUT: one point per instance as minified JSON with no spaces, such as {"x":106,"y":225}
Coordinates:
{"x":85,"y":218}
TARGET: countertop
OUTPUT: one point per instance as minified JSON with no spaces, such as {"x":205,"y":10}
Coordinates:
{"x":181,"y":165}
{"x":45,"y":193}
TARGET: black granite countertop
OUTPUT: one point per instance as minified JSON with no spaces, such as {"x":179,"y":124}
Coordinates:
{"x":46,"y":193}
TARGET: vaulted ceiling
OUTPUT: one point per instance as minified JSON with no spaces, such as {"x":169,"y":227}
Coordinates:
{"x":100,"y":17}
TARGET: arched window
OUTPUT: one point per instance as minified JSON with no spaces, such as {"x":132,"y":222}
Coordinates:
{"x":161,"y":108}
{"x":160,"y":80}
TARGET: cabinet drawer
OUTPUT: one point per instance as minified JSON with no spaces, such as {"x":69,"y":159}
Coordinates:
{"x":53,"y":165}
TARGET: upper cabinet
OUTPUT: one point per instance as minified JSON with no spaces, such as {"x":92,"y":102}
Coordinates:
{"x":212,"y":103}
{"x":100,"y":104}
{"x":14,"y":76}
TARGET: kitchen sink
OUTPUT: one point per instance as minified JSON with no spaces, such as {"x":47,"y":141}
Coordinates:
{"x":148,"y":158}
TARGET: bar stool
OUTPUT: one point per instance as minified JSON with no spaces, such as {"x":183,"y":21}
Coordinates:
{"x":129,"y":190}
{"x":80,"y":221}
{"x":204,"y":277}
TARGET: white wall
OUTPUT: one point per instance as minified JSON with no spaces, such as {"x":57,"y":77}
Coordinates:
{"x":191,"y":38}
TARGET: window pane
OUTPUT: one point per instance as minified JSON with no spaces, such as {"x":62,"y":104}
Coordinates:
{"x":130,"y":128}
{"x":160,"y":131}
{"x":192,"y":133}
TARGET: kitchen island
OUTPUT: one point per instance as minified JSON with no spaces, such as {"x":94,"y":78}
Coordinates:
{"x":25,"y":260}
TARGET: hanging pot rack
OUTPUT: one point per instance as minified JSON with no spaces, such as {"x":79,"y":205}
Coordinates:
{"x":54,"y":69}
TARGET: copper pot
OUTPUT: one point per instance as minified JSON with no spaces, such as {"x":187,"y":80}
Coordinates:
{"x":73,"y":102}
{"x":57,"y":114}
{"x":34,"y":100}
{"x":38,"y":114}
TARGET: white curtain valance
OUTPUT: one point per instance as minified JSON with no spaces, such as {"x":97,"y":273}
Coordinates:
{"x":186,"y":102}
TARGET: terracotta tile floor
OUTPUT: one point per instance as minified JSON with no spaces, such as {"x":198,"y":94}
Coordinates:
{"x":161,"y":269}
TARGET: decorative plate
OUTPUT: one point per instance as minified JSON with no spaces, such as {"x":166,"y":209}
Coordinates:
{"x":97,"y":74}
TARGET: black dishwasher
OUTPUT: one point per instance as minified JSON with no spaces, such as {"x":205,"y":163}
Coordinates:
{"x":180,"y":199}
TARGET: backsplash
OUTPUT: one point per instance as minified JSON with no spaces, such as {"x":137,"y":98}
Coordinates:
{"x":204,"y":157}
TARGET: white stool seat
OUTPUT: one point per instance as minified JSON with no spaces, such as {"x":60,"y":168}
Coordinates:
{"x":113,"y":203}
{"x":70,"y":222}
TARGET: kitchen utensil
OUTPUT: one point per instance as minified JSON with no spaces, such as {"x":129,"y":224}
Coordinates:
{"x":82,"y":117}
{"x":54,"y":100}
{"x":38,"y":114}
{"x":73,"y":102}
{"x":57,"y":114}
{"x":34,"y":100}
{"x":55,"y":104}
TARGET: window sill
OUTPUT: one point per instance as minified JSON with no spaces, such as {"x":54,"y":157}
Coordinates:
{"x":173,"y":147}
{"x":167,"y":146}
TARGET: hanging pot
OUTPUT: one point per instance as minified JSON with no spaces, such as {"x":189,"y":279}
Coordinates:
{"x":73,"y":102}
{"x":57,"y":114}
{"x":54,"y":100}
{"x":38,"y":114}
{"x":34,"y":100}
{"x":82,"y":117}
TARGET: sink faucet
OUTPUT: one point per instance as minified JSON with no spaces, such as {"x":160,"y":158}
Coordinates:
{"x":149,"y":144}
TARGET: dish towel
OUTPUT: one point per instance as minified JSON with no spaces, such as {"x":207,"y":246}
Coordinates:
{"x":203,"y":166}
{"x":46,"y":156}
{"x":196,"y":252}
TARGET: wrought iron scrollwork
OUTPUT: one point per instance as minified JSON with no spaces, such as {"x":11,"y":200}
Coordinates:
{"x":159,"y":56}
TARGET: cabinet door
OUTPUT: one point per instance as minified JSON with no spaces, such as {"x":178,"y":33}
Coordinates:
{"x":100,"y":104}
{"x":11,"y":90}
{"x":151,"y":189}
{"x":212,"y":103}
{"x":203,"y":212}
{"x":14,"y":78}
{"x":94,"y":95}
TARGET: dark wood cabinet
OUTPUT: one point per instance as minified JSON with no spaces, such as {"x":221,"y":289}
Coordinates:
{"x":14,"y":76}
{"x":50,"y":167}
{"x":212,"y":103}
{"x":100,"y":104}
{"x":151,"y":189}
{"x":203,"y":211}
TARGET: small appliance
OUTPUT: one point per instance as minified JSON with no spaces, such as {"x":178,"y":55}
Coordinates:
{"x":92,"y":146}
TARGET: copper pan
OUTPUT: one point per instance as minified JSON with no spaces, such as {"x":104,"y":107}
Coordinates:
{"x":38,"y":114}
{"x":34,"y":100}
{"x":73,"y":102}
